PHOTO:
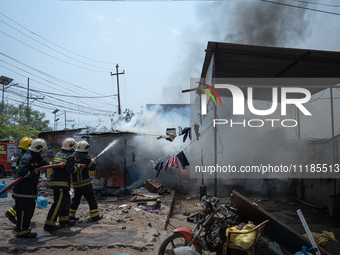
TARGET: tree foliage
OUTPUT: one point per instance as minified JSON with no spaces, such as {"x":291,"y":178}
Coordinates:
{"x":13,"y":122}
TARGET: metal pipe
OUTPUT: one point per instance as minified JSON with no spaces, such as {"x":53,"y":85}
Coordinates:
{"x":309,"y":234}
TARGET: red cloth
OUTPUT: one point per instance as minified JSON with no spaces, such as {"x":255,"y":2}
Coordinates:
{"x":173,"y":162}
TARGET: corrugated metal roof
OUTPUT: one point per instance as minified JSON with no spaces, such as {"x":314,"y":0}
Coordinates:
{"x":253,"y":61}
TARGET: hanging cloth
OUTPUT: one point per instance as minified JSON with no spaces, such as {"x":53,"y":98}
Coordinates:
{"x":158,"y":168}
{"x":196,"y":128}
{"x":173,"y":162}
{"x":170,"y":134}
{"x":186,"y":131}
{"x":183,"y":159}
{"x":166,"y":165}
{"x":153,"y":163}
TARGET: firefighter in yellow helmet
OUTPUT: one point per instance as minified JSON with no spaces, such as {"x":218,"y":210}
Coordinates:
{"x":82,"y":184}
{"x":24,"y":143}
{"x":25,"y":192}
{"x":60,"y":183}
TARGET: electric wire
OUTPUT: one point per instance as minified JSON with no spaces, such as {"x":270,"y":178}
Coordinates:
{"x":50,"y":55}
{"x":316,"y":3}
{"x":54,"y":49}
{"x":47,"y":85}
{"x":67,"y":105}
{"x":300,"y":7}
{"x":52,"y":87}
{"x":92,"y":99}
{"x":320,"y":115}
{"x":62,"y":95}
{"x":318,"y":97}
{"x":54,"y":43}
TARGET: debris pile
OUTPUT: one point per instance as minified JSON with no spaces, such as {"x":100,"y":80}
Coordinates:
{"x":43,"y":185}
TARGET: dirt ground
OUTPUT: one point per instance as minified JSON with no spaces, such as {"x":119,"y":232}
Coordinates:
{"x":125,"y":231}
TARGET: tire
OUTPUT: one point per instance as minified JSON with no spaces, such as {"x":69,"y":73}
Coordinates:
{"x":2,"y":172}
{"x":173,"y":241}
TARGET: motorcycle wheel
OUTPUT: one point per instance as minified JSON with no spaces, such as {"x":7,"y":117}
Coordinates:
{"x":173,"y":241}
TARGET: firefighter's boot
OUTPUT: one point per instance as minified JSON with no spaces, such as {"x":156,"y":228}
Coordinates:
{"x":28,"y":235}
{"x":98,"y":217}
{"x":51,"y":228}
{"x":11,"y":217}
{"x":67,"y":223}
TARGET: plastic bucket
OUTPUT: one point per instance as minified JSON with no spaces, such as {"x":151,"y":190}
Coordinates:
{"x":42,"y":202}
{"x":303,"y":252}
{"x":2,"y":186}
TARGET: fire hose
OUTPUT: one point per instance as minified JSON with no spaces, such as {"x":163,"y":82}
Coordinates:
{"x":36,"y":170}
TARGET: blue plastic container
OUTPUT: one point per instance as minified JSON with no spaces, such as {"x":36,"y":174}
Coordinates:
{"x":42,"y":202}
{"x":303,"y":252}
{"x":2,"y":186}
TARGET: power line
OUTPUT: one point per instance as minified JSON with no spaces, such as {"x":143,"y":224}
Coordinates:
{"x":69,"y":90}
{"x":54,"y":43}
{"x":300,"y":7}
{"x":66,"y":104}
{"x":50,"y":76}
{"x":318,"y":97}
{"x":52,"y":48}
{"x":50,"y":55}
{"x":328,"y":5}
{"x":70,"y":106}
{"x":62,"y":95}
{"x":319,"y":115}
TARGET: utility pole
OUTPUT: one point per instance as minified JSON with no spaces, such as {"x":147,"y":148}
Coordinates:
{"x":4,"y":81}
{"x":119,"y":110}
{"x":55,"y":117}
{"x":66,"y":120}
{"x":28,"y":100}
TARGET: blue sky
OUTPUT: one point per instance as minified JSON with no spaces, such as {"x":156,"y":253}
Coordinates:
{"x":68,"y":48}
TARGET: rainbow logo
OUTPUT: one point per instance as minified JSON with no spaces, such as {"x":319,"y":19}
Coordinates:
{"x":212,"y":89}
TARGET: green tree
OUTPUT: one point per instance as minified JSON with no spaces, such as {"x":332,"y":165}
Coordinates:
{"x":13,"y":122}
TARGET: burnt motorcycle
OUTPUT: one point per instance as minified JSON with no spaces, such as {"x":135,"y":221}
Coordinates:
{"x":210,"y":231}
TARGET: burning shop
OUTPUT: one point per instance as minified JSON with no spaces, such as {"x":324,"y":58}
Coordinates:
{"x":124,"y":158}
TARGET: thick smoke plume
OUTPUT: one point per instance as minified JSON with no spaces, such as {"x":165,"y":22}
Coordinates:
{"x":138,"y":144}
{"x":256,"y":22}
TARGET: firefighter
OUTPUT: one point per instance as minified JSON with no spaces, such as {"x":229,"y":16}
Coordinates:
{"x":25,"y":191}
{"x":82,"y":184}
{"x":24,"y":143}
{"x":60,"y":183}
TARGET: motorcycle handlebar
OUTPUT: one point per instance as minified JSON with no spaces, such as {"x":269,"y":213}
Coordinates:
{"x":234,"y":210}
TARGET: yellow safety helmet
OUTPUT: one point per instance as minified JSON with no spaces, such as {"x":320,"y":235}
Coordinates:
{"x":38,"y":145}
{"x":69,"y":144}
{"x":83,"y":146}
{"x":25,"y":142}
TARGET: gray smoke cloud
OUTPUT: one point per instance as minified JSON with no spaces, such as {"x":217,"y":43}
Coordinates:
{"x":256,"y":22}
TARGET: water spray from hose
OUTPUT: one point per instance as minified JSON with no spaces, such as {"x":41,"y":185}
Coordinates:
{"x":106,"y":149}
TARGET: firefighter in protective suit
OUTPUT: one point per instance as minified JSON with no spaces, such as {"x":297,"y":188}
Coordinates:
{"x":24,"y":143}
{"x":60,"y":183}
{"x":25,"y":192}
{"x":82,"y":184}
